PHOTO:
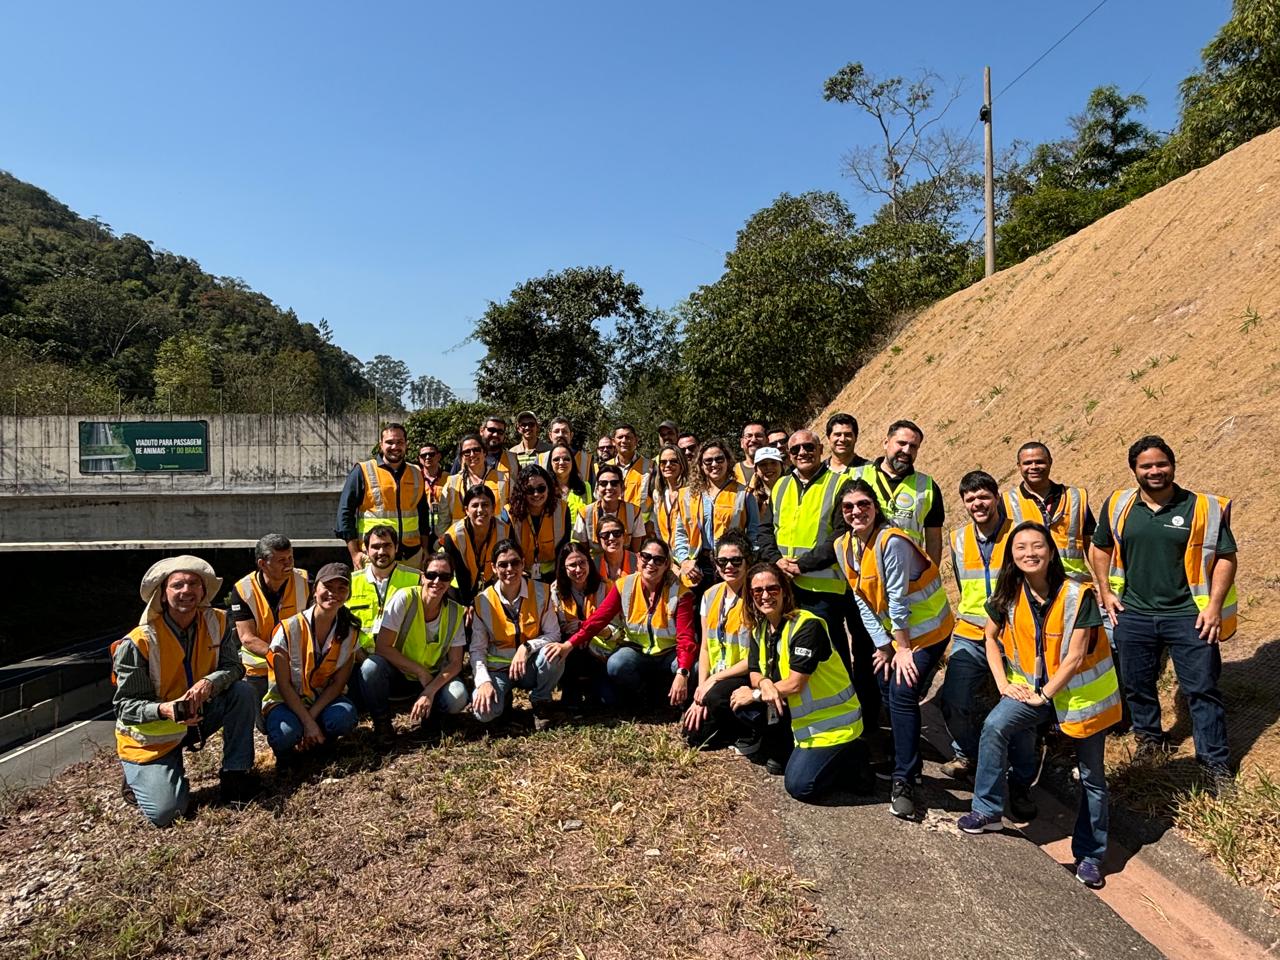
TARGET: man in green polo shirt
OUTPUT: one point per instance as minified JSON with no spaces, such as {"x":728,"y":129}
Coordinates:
{"x":1164,"y":565}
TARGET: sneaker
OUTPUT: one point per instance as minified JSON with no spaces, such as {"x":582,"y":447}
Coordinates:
{"x":902,"y":803}
{"x":238,"y":787}
{"x":1089,"y":873}
{"x":383,"y":730}
{"x":126,"y":792}
{"x":1021,"y":806}
{"x":775,"y":767}
{"x":975,"y":822}
{"x":1222,"y":782}
{"x":959,"y":768}
{"x":541,"y":717}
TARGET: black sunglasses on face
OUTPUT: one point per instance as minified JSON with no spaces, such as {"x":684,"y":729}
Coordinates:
{"x":434,"y":576}
{"x":803,"y":448}
{"x":535,"y":491}
{"x":508,"y":564}
{"x":651,"y":558}
{"x":610,"y":534}
{"x":712,"y":461}
{"x":724,"y":562}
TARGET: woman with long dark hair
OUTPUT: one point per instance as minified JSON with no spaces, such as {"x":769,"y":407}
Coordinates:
{"x":574,"y":488}
{"x":714,"y":502}
{"x":668,"y":492}
{"x":616,"y":560}
{"x":539,"y":522}
{"x":474,"y":471}
{"x":578,"y":592}
{"x":1044,"y":653}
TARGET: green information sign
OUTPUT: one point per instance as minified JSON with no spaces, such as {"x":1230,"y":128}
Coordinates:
{"x":145,"y":446}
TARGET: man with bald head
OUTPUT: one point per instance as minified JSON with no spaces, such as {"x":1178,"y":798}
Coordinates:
{"x":803,"y":501}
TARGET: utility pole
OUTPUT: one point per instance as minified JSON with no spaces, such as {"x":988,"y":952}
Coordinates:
{"x":989,"y":187}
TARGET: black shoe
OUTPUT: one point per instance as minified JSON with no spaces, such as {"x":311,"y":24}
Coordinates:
{"x":541,"y":717}
{"x":126,"y":792}
{"x":775,"y":767}
{"x":902,"y":801}
{"x":238,"y":787}
{"x":1021,"y":807}
{"x":1149,"y":750}
{"x":383,"y":731}
{"x":1222,"y":782}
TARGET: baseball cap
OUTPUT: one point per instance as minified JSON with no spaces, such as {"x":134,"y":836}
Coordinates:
{"x":768,"y":453}
{"x":334,"y":571}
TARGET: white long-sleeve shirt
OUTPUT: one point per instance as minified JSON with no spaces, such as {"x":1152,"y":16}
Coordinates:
{"x":481,"y":638}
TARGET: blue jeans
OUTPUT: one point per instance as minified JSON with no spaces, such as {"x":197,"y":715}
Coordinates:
{"x":284,"y":729}
{"x":812,"y":771}
{"x":1141,"y":639}
{"x":904,"y":710}
{"x":1008,"y":742}
{"x":378,"y":681}
{"x":540,"y":678}
{"x":160,"y":787}
{"x":631,"y":672}
{"x":968,"y":691}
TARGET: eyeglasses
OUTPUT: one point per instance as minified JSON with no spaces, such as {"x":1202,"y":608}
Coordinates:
{"x":771,"y":590}
{"x":604,"y":449}
{"x":726,"y":562}
{"x":714,"y":461}
{"x":508,"y":564}
{"x":471,"y":451}
{"x":434,"y":576}
{"x":610,"y":534}
{"x":803,"y":448}
{"x":538,"y":490}
{"x":654,"y":558}
{"x":855,"y":506}
{"x":608,"y":483}
{"x":669,"y":462}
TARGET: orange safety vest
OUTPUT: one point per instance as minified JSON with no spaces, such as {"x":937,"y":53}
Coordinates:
{"x":294,"y":642}
{"x":391,"y":501}
{"x":571,"y":617}
{"x":1066,"y":526}
{"x":1090,"y":702}
{"x":667,"y":514}
{"x":504,"y":635}
{"x":495,"y":479}
{"x":931,"y":620}
{"x":635,"y":482}
{"x":651,"y":628}
{"x":729,"y":511}
{"x":630,"y":564}
{"x":539,"y":548}
{"x":166,"y":665}
{"x":477,"y":555}
{"x":1210,"y":513}
{"x":592,"y":516}
{"x":292,"y":600}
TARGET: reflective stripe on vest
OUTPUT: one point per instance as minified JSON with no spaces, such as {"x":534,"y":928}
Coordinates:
{"x":265,"y":619}
{"x":907,"y":503}
{"x":724,"y":648}
{"x":1198,"y":561}
{"x":416,"y":641}
{"x":802,"y":524}
{"x":728,"y":512}
{"x":1066,"y":526}
{"x":975,"y":576}
{"x":308,"y":675}
{"x":652,"y":629}
{"x":929,"y":619}
{"x":144,"y":742}
{"x":571,"y":617}
{"x":826,"y":712}
{"x":505,"y":637}
{"x":1090,"y":702}
{"x":459,"y":483}
{"x":538,"y":548}
{"x":366,"y":605}
{"x":395,"y":505}
{"x":592,"y":517}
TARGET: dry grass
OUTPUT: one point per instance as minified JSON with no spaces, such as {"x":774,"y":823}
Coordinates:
{"x":455,"y":850}
{"x":1242,"y":833}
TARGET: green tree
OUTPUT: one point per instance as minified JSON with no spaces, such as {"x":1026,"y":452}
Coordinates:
{"x":785,"y":325}
{"x":645,"y":377}
{"x":1235,"y":96}
{"x":390,"y":377}
{"x":183,"y":372}
{"x":430,"y":393}
{"x":546,"y":350}
{"x":445,"y":425}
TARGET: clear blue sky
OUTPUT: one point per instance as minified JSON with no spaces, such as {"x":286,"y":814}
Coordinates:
{"x":393,"y":167}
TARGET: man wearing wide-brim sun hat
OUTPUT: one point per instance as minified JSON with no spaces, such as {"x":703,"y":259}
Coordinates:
{"x":178,"y":679}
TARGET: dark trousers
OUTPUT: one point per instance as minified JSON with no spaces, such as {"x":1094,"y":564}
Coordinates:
{"x":722,"y":725}
{"x":904,"y":710}
{"x":862,"y":671}
{"x":1141,"y":639}
{"x":814,"y":771}
{"x":831,"y":608}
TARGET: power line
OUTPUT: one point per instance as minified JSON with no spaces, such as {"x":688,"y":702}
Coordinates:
{"x":1055,"y":46}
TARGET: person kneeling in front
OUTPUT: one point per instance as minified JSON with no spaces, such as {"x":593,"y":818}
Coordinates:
{"x":311,"y":658}
{"x":797,"y":676}
{"x":178,"y":679}
{"x":1044,"y":652}
{"x":418,"y":653}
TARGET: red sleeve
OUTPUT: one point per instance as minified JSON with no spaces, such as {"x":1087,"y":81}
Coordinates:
{"x":686,"y":644}
{"x":596,"y":623}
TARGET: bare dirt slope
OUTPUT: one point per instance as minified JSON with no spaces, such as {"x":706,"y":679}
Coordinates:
{"x":1161,"y":318}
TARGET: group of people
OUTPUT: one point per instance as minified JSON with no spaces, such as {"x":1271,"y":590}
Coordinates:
{"x":780,"y":597}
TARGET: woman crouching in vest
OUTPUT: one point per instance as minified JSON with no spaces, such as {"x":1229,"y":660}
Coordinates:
{"x":656,"y":612}
{"x":578,"y":592}
{"x":1043,"y":650}
{"x":797,"y":679}
{"x":903,"y":605}
{"x":515,"y":641}
{"x":311,"y":658}
{"x":723,"y":655}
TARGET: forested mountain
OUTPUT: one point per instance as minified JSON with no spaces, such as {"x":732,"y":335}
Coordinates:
{"x":91,"y":321}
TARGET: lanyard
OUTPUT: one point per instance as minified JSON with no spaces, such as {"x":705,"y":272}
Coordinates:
{"x":1038,"y":618}
{"x":477,"y":562}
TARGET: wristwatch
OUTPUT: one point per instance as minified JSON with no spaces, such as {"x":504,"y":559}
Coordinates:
{"x":757,"y":694}
{"x":682,"y":671}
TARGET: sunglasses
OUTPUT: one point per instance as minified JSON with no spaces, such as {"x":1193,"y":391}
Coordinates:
{"x":688,"y":451}
{"x":433,"y":576}
{"x":803,"y":448}
{"x":713,"y":461}
{"x":855,"y":506}
{"x":428,"y":454}
{"x":610,"y":534}
{"x":726,"y":562}
{"x":608,"y":483}
{"x":654,"y":558}
{"x":668,"y":463}
{"x":538,"y":490}
{"x":562,"y":460}
{"x":471,"y":451}
{"x":508,"y":564}
{"x":772,"y":590}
